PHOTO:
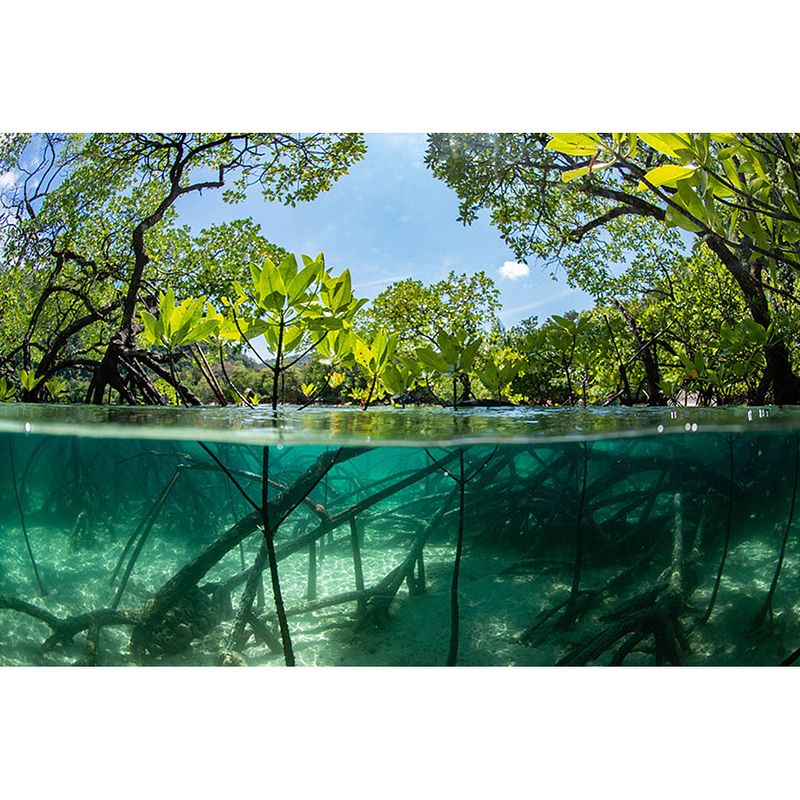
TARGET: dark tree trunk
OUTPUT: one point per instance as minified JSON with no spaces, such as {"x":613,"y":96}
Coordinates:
{"x":651,"y":370}
{"x":779,"y":373}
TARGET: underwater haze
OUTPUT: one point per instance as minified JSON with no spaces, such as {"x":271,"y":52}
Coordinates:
{"x":398,"y":537}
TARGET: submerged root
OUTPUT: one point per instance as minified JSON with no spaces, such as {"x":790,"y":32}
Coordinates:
{"x":654,"y":613}
{"x":548,"y":622}
{"x":183,"y":583}
{"x":65,"y":629}
{"x":194,"y":616}
{"x":766,"y":611}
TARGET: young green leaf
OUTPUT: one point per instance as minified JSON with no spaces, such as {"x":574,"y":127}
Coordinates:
{"x":667,"y":175}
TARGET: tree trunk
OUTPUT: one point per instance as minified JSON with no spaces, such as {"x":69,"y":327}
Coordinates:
{"x":785,"y":383}
{"x":651,"y":370}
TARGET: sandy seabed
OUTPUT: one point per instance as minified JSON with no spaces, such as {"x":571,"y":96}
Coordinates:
{"x":499,"y":597}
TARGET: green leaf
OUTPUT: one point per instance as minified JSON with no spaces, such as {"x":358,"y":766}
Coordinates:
{"x":362,"y":353}
{"x":292,"y":338}
{"x":271,"y":334}
{"x":254,"y":327}
{"x":28,"y":379}
{"x":468,"y":355}
{"x":340,"y":292}
{"x":507,"y":373}
{"x":667,"y":175}
{"x":287,"y":269}
{"x":431,"y":359}
{"x":670,"y":144}
{"x":6,"y":391}
{"x":166,"y":309}
{"x":792,"y":205}
{"x":184,"y":319}
{"x":674,"y":219}
{"x":755,"y":332}
{"x":203,"y":330}
{"x":572,"y":174}
{"x":379,"y":346}
{"x":489,"y":376}
{"x":270,"y":286}
{"x":448,"y":347}
{"x":575,"y":144}
{"x":152,"y":328}
{"x":687,"y":362}
{"x":393,"y":380}
{"x":563,"y":322}
{"x":300,"y":283}
{"x":688,"y":199}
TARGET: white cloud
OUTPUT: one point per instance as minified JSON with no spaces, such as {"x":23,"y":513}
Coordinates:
{"x":7,"y":180}
{"x":514,"y":271}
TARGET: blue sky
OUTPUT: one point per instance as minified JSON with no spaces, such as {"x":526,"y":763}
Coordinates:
{"x":389,"y":219}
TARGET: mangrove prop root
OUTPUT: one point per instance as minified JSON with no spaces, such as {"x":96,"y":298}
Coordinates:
{"x":767,"y":607}
{"x":318,"y":534}
{"x":655,"y":612}
{"x":238,"y":638}
{"x":311,"y":583}
{"x":145,"y":526}
{"x":342,"y":517}
{"x":260,"y":601}
{"x":546,"y":622}
{"x":379,"y":602}
{"x":461,"y":481}
{"x":80,"y":536}
{"x":378,"y":598}
{"x":187,"y":577}
{"x":89,"y":658}
{"x":726,"y":545}
{"x":335,"y":600}
{"x":416,"y":583}
{"x":64,"y":629}
{"x":787,"y":662}
{"x":269,"y":539}
{"x":570,"y":612}
{"x":230,"y":475}
{"x":452,"y":653}
{"x":263,"y":633}
{"x":42,"y":590}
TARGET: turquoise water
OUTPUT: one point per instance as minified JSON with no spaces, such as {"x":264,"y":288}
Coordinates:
{"x":398,"y":537}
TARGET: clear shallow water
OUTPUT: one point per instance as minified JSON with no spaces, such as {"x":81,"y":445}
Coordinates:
{"x":588,"y":537}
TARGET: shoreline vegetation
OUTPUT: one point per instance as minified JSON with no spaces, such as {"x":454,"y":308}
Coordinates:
{"x":687,"y":242}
